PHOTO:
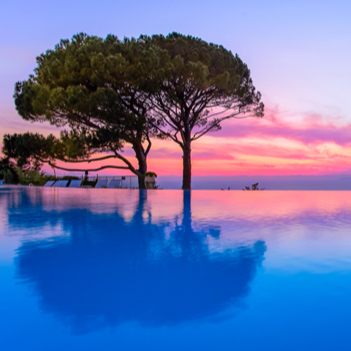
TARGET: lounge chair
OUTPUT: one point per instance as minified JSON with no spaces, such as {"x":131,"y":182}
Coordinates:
{"x":115,"y":183}
{"x":75,"y":184}
{"x":101,"y":183}
{"x":60,"y":184}
{"x":49,"y":183}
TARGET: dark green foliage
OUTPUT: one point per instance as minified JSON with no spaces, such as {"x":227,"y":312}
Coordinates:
{"x":33,"y":178}
{"x":8,"y":173}
{"x":28,"y":150}
{"x":151,"y":174}
{"x":205,"y":73}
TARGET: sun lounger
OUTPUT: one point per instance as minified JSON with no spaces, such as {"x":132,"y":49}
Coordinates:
{"x":75,"y":184}
{"x":102,"y":183}
{"x":115,"y":183}
{"x":49,"y":183}
{"x":60,"y":184}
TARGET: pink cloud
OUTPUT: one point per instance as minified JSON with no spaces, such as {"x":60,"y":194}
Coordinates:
{"x":311,"y":130}
{"x":210,"y":155}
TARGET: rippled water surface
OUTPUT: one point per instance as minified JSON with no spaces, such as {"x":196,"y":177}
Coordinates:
{"x":89,"y":269}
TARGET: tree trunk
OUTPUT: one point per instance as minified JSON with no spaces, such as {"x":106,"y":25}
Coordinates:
{"x":141,"y":157}
{"x":187,"y":165}
{"x":141,"y":182}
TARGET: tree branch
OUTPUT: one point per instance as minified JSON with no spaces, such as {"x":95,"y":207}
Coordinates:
{"x":199,"y":134}
{"x":117,"y":155}
{"x":85,"y":170}
{"x":148,"y":145}
{"x":130,"y":166}
{"x":88,"y":160}
{"x":203,"y":131}
{"x":166,"y":134}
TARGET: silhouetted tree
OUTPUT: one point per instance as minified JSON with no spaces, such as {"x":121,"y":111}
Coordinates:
{"x":253,"y":187}
{"x":30,"y":151}
{"x":95,"y":84}
{"x":200,"y":85}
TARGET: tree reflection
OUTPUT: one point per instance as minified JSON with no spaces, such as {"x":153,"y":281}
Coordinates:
{"x":110,"y":271}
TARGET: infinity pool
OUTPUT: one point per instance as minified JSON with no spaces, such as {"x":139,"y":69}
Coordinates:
{"x":89,"y":269}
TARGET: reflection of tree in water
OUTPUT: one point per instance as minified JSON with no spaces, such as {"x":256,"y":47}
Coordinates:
{"x":111,"y":271}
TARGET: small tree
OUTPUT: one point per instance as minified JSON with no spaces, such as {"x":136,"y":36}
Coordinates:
{"x":199,"y":85}
{"x":253,"y":187}
{"x":93,"y":84}
{"x":30,"y":151}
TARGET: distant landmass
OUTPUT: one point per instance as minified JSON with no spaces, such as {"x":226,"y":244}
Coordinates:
{"x":324,"y":182}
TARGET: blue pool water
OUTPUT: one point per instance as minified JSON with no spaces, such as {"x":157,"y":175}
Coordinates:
{"x":89,"y":269}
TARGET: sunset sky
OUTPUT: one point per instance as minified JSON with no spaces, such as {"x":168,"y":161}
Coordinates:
{"x":298,"y":53}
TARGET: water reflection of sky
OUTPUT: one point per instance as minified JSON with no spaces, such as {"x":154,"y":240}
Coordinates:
{"x":203,"y":265}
